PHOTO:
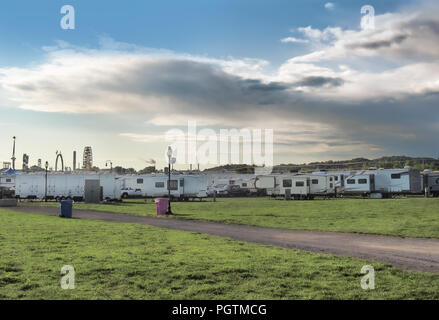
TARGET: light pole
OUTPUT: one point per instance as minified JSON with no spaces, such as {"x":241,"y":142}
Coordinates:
{"x":111,"y":165}
{"x":169,"y":179}
{"x":45,"y":189}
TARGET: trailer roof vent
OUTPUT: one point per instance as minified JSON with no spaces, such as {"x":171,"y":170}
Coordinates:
{"x":408,"y":167}
{"x":427,"y":171}
{"x":372,"y":168}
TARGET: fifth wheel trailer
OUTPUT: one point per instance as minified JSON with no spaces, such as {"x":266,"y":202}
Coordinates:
{"x":64,"y":186}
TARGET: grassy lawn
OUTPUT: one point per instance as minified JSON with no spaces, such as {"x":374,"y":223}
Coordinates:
{"x":128,"y":261}
{"x":410,"y":217}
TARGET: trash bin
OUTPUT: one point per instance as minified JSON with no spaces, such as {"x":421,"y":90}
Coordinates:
{"x":161,"y":205}
{"x":66,"y":208}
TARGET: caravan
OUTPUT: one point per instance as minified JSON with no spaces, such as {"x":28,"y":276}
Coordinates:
{"x":156,"y":185}
{"x":64,"y":186}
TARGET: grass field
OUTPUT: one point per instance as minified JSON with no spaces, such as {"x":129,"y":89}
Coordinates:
{"x":128,"y":261}
{"x":409,"y":217}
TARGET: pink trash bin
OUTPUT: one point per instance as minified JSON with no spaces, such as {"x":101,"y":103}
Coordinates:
{"x":161,"y":205}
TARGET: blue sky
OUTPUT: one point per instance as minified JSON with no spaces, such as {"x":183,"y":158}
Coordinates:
{"x":242,"y":39}
{"x":219,"y":28}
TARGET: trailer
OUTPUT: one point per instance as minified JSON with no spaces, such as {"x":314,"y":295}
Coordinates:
{"x":390,"y":182}
{"x":156,"y":185}
{"x":431,"y":182}
{"x":7,"y":181}
{"x":322,"y":185}
{"x":359,"y":184}
{"x":65,"y":186}
{"x":298,"y":186}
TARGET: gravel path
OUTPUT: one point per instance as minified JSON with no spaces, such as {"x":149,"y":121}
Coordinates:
{"x":406,"y":253}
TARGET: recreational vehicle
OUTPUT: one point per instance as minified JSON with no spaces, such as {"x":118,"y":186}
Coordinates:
{"x":396,"y":181}
{"x":156,"y":185}
{"x":431,"y":182}
{"x":359,"y":183}
{"x":298,"y":186}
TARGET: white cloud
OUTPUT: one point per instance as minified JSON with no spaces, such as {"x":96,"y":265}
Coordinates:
{"x":329,"y":5}
{"x":293,"y":40}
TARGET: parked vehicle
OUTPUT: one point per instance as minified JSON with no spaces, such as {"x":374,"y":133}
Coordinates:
{"x":64,"y":186}
{"x":431,"y":182}
{"x":130,"y":193}
{"x":156,"y":185}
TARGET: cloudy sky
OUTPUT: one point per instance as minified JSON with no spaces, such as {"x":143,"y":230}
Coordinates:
{"x":132,"y":70}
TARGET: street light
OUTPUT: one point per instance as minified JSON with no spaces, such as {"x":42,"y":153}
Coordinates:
{"x":111,"y":165}
{"x":45,"y":190}
{"x":169,"y":153}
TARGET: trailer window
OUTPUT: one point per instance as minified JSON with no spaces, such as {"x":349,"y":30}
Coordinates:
{"x":350,"y":181}
{"x":244,"y":184}
{"x":8,"y":180}
{"x":330,"y":179}
{"x":140,"y":181}
{"x":287,"y":183}
{"x":396,"y":176}
{"x":173,"y":185}
{"x":331,"y":185}
{"x":300,"y":183}
{"x":362,"y":181}
{"x":159,"y":184}
{"x":181,"y":182}
{"x":307,"y":183}
{"x":336,"y":178}
{"x":315,"y":181}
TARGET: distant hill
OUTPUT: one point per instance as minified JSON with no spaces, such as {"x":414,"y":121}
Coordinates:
{"x":387,"y":162}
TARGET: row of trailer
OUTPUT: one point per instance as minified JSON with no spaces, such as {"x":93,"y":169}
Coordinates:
{"x":374,"y":183}
{"x":381,"y":183}
{"x":112,"y":187}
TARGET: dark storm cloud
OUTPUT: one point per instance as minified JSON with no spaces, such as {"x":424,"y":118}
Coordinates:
{"x":378,"y":44}
{"x":316,"y":81}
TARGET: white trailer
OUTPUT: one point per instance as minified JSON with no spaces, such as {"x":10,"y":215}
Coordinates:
{"x":7,"y":181}
{"x":322,"y":184}
{"x":64,"y":186}
{"x":359,"y":183}
{"x":156,"y":185}
{"x":397,"y":181}
{"x":279,"y":185}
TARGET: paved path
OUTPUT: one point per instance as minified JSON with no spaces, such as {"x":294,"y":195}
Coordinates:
{"x":406,"y":253}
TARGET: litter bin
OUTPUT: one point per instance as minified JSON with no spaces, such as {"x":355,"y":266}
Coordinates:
{"x":66,"y":208}
{"x":161,"y":205}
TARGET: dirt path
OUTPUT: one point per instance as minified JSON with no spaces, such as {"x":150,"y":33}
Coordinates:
{"x":406,"y":253}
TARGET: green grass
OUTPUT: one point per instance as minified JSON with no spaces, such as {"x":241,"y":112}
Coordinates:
{"x":129,"y":261}
{"x":408,"y":217}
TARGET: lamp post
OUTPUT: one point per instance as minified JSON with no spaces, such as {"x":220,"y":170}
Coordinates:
{"x":111,"y":165}
{"x":45,"y":189}
{"x":169,"y":179}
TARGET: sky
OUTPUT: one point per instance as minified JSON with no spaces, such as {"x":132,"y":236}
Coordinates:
{"x":130,"y":71}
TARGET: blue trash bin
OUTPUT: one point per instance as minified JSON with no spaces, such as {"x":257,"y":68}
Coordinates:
{"x":66,"y":208}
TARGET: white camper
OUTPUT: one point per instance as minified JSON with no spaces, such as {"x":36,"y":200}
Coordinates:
{"x":397,"y":181}
{"x":359,"y":183}
{"x":298,"y":186}
{"x":156,"y":185}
